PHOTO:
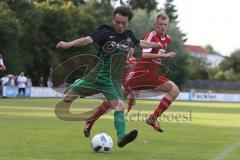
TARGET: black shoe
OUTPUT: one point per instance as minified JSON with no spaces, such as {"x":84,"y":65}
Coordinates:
{"x":87,"y":128}
{"x":131,"y":136}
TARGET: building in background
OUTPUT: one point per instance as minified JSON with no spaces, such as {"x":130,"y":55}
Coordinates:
{"x":213,"y":59}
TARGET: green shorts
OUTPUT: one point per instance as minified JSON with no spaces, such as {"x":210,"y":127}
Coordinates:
{"x":85,"y":88}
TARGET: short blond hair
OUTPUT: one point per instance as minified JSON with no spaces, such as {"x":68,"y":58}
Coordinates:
{"x":161,"y":15}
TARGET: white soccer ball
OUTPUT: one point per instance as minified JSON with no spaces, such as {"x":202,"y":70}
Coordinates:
{"x":102,"y":142}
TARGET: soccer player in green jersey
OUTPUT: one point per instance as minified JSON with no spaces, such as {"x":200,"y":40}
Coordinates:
{"x":106,"y":77}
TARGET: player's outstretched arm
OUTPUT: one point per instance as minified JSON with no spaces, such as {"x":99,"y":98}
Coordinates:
{"x":170,"y":55}
{"x":75,"y":43}
{"x":145,"y":44}
{"x":159,"y":55}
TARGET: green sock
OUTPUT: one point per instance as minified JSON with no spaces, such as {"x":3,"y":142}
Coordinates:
{"x":119,"y":123}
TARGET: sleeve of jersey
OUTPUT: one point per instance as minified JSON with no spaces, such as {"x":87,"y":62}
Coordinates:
{"x":98,"y":35}
{"x":149,"y":38}
{"x":135,"y":40}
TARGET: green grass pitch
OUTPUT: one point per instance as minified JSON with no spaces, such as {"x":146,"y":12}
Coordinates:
{"x":29,"y":130}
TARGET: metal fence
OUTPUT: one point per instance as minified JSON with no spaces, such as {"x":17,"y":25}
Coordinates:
{"x":213,"y":85}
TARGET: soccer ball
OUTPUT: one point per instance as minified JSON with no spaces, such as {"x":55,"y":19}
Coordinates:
{"x":102,"y":142}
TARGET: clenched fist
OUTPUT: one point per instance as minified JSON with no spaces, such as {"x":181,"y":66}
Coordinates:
{"x":63,"y":45}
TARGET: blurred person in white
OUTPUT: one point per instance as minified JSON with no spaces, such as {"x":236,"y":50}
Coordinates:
{"x":11,"y":80}
{"x":4,"y":81}
{"x":2,"y":66}
{"x":49,"y":83}
{"x":22,"y":81}
{"x":29,"y":82}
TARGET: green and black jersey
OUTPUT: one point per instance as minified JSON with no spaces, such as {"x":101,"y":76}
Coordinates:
{"x":107,"y":75}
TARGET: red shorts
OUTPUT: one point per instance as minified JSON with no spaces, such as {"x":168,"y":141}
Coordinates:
{"x":143,"y":80}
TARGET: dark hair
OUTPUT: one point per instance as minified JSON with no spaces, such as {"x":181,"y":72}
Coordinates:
{"x":124,"y":11}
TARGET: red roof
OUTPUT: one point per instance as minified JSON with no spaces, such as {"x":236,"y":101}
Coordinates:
{"x":195,"y":49}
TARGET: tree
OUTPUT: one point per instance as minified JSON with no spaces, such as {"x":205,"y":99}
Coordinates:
{"x":178,"y":66}
{"x":31,"y":29}
{"x":30,"y":54}
{"x":209,"y":48}
{"x":232,"y":62}
{"x":11,"y":33}
{"x":171,"y":10}
{"x":148,"y":5}
{"x":76,"y":2}
{"x":137,"y":25}
{"x":231,"y":66}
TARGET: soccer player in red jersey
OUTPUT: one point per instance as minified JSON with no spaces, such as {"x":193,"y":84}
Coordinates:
{"x":2,"y":66}
{"x":145,"y":76}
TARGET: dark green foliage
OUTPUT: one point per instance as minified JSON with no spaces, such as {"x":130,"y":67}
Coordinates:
{"x":231,"y":67}
{"x":147,"y":5}
{"x":179,"y":65}
{"x":31,"y":30}
{"x":11,"y":32}
{"x":170,"y":10}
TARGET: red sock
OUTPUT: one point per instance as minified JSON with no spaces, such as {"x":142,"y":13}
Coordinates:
{"x":99,"y":112}
{"x":163,"y":106}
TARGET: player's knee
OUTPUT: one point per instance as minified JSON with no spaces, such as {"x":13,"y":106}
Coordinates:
{"x":175,"y":91}
{"x":119,"y":106}
{"x":68,"y":99}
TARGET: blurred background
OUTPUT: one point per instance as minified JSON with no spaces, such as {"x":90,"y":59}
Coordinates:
{"x":30,"y":30}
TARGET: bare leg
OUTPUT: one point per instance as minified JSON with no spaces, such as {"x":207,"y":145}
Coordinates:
{"x":62,"y":109}
{"x":172,"y":92}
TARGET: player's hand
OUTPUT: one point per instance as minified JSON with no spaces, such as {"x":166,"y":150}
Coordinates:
{"x":129,"y":67}
{"x":170,"y":55}
{"x":63,"y":45}
{"x":157,"y":60}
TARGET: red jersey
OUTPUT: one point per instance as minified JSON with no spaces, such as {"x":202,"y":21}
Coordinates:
{"x":145,"y":76}
{"x":143,"y":63}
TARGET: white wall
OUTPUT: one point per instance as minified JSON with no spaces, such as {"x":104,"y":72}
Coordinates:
{"x":214,"y":60}
{"x":184,"y":96}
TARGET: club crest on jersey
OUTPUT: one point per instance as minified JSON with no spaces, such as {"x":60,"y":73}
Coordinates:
{"x":111,"y":37}
{"x":161,"y":51}
{"x":123,"y":46}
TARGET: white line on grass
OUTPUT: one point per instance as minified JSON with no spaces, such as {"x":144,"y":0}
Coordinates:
{"x":227,"y":151}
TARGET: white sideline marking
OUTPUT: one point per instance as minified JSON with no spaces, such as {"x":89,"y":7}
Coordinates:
{"x":227,"y":151}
